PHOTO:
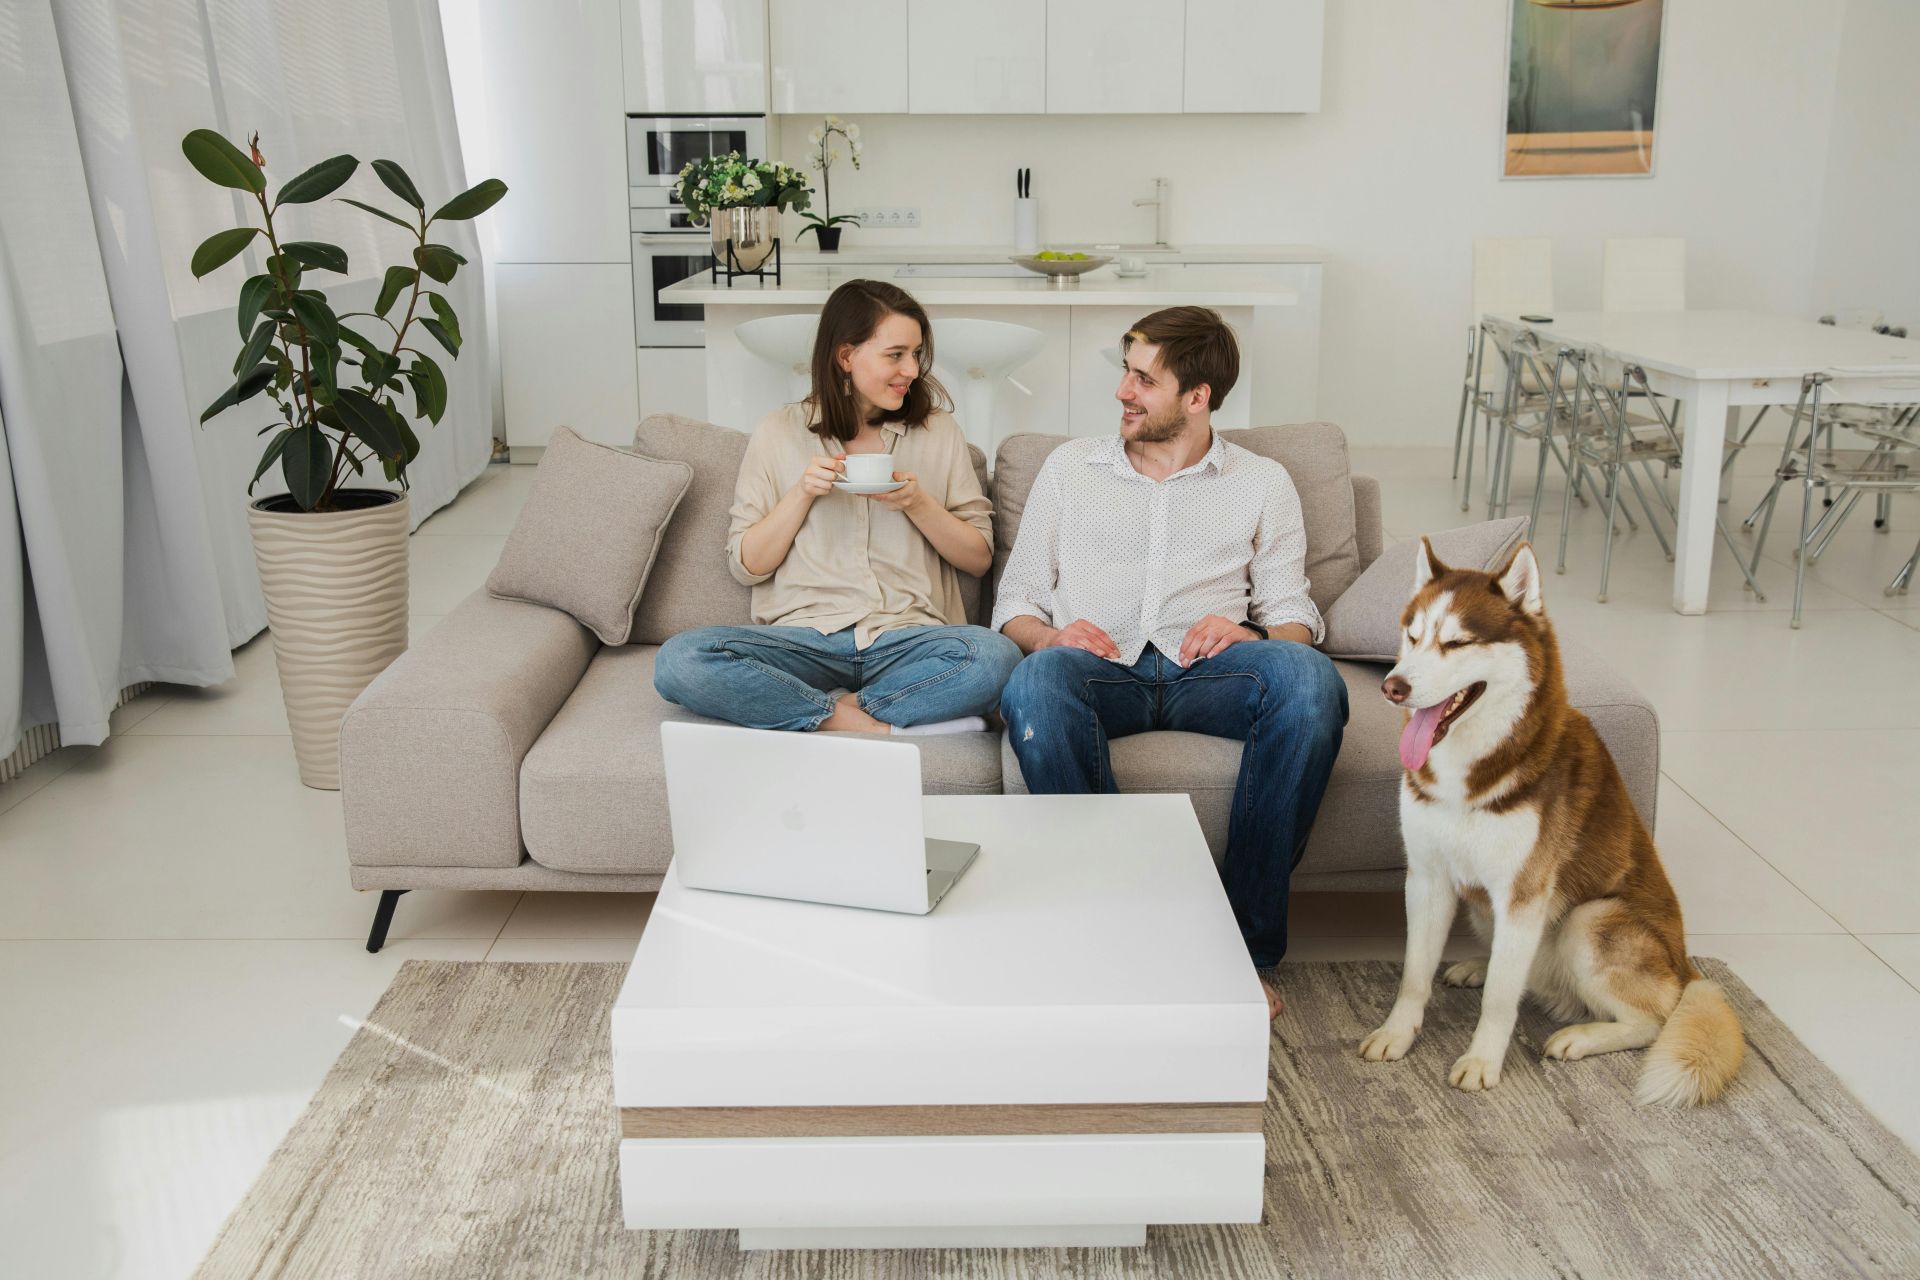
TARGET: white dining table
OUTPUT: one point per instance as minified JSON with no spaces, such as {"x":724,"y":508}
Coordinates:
{"x":1716,"y":363}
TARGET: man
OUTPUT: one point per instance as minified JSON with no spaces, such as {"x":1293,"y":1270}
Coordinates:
{"x":1159,"y":582}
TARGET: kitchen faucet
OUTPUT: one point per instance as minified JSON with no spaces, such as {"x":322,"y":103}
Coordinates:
{"x":1159,"y":203}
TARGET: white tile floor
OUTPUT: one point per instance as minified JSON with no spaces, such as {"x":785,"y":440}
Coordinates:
{"x":181,"y":960}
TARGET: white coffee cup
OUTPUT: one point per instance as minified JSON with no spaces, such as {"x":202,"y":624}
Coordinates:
{"x":1133,"y":265}
{"x":869,"y":468}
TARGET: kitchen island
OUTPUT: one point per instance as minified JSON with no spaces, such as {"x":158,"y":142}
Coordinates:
{"x":1068,"y":387}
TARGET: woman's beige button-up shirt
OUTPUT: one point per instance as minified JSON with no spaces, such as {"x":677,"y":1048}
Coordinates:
{"x":854,"y":562}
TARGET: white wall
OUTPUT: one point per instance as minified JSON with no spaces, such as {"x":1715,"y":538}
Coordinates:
{"x":1398,"y":173}
{"x":1869,"y":252}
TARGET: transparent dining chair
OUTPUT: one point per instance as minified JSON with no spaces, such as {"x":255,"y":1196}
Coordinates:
{"x":1532,"y":403}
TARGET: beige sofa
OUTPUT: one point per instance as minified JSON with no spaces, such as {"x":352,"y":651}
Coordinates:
{"x":509,"y":749}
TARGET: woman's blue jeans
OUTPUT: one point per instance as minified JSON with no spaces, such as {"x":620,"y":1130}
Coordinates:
{"x":782,"y":677}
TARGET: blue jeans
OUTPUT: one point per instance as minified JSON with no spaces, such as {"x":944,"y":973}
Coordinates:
{"x":781,"y":677}
{"x":1285,"y":701}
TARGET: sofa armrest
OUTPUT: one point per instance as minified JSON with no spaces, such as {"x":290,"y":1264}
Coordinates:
{"x":1368,"y":536}
{"x":430,"y":751}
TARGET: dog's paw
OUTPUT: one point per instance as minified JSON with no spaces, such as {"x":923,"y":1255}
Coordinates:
{"x":1473,"y":1074}
{"x":1388,"y":1044}
{"x":1570,"y":1044}
{"x":1468,"y":973}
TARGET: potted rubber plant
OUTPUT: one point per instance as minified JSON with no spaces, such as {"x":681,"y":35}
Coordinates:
{"x":332,"y":554}
{"x":826,"y":226}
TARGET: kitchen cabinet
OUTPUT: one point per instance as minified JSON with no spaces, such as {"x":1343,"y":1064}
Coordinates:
{"x":981,"y":58}
{"x":558,"y":138}
{"x":688,"y":57}
{"x":839,"y":57}
{"x":566,"y":351}
{"x":1106,"y":56}
{"x":1253,"y":55}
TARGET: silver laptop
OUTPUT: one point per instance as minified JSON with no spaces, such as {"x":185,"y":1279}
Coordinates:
{"x":816,"y":817}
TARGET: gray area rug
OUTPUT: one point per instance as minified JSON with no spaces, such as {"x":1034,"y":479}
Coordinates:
{"x":468,"y":1130}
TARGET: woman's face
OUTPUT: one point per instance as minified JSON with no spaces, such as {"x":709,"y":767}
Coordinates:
{"x":884,"y":366}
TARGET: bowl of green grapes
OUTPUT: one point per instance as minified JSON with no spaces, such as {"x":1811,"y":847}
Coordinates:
{"x":1060,"y":266}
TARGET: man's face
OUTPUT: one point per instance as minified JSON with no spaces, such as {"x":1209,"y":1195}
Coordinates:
{"x":1152,"y":408}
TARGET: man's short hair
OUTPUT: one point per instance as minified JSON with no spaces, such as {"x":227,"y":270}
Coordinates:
{"x":1196,"y":346}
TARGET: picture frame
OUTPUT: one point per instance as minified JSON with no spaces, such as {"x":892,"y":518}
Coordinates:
{"x":1582,"y":88}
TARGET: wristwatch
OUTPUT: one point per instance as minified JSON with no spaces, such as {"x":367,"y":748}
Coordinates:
{"x":1257,"y":629}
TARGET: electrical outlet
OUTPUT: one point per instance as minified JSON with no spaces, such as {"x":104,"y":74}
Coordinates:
{"x":890,"y":218}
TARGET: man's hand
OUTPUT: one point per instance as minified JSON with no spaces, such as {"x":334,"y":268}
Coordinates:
{"x":1209,"y":636}
{"x":818,"y":479}
{"x":1082,"y":634}
{"x":903,"y":499}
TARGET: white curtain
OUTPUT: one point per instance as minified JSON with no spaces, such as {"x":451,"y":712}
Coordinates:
{"x":124,"y":553}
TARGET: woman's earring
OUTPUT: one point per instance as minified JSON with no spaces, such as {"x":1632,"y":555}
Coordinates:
{"x":846,"y":386}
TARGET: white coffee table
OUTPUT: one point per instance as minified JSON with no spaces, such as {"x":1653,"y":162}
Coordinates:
{"x":1072,"y":1046}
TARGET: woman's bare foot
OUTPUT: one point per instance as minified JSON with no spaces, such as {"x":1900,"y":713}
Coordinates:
{"x":850,"y":717}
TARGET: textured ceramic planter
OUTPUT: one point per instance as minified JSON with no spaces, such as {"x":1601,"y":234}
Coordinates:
{"x":336,"y":588}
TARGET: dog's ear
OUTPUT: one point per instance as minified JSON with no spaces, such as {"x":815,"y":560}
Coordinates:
{"x":1426,"y":565}
{"x":1520,"y":580}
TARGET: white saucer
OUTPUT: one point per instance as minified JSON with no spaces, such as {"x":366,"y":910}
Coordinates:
{"x":848,"y":486}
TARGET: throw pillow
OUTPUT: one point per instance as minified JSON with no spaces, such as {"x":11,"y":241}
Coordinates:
{"x":1364,"y":623}
{"x":690,"y":586}
{"x":589,"y":531}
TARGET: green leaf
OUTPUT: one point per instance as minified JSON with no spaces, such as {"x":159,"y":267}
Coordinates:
{"x":399,"y":183}
{"x":256,"y":349}
{"x":326,"y":373}
{"x":316,"y":254}
{"x":438,"y":261}
{"x":359,"y":342}
{"x":398,"y":279}
{"x":380,"y":213}
{"x":254,"y":295}
{"x":378,"y":368}
{"x":221,"y":248}
{"x":364,"y":417}
{"x":274,"y":448}
{"x":284,"y":269}
{"x":220,"y":161}
{"x":323,"y":179}
{"x":248,"y":385}
{"x":472,"y":202}
{"x":318,"y":318}
{"x":306,"y":461}
{"x":444,"y":310}
{"x":429,"y":388}
{"x":408,"y":439}
{"x":451,"y":341}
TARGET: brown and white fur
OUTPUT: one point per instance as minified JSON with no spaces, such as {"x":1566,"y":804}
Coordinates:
{"x":1511,"y":802}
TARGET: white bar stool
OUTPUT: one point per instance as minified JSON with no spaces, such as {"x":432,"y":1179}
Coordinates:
{"x":973,"y":358}
{"x":786,"y":341}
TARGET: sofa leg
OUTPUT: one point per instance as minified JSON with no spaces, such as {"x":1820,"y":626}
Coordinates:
{"x":382,"y":917}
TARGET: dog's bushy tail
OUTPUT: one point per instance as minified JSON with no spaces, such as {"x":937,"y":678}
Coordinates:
{"x":1698,"y":1052}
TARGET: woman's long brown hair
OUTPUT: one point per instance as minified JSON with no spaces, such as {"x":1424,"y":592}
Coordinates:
{"x":852,"y":315}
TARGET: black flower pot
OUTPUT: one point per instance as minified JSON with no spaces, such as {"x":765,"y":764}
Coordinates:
{"x":829,"y":239}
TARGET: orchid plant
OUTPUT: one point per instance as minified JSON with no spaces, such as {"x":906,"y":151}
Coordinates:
{"x":820,"y":138}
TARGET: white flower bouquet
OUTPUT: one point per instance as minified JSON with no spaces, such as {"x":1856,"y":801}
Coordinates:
{"x":728,"y":182}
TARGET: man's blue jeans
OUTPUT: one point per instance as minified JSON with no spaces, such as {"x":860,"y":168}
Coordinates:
{"x":1283,"y":700}
{"x":782,"y":677}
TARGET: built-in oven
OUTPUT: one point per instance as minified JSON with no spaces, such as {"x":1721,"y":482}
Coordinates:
{"x":667,"y":246}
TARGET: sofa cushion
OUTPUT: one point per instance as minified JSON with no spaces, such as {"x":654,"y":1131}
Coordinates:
{"x":593,"y":788}
{"x":1358,"y":826}
{"x":690,"y":586}
{"x":1314,"y":454}
{"x":587,"y":535}
{"x":1364,"y":622}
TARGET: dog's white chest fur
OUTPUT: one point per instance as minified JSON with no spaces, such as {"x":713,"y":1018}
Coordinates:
{"x":1469,"y":845}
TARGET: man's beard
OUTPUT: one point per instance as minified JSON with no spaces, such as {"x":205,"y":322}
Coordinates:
{"x":1159,"y":430}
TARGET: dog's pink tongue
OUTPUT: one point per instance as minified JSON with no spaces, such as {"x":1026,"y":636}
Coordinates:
{"x":1417,"y":738}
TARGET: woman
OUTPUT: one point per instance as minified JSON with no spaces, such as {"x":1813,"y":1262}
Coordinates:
{"x":855,"y":592}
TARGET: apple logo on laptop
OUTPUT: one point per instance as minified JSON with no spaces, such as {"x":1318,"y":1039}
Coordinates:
{"x":792,"y":819}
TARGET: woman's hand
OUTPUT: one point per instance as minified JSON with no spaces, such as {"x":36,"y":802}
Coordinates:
{"x":908,"y":496}
{"x":818,"y":479}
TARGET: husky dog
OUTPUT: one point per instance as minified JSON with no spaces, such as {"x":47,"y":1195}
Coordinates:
{"x":1511,"y":802}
